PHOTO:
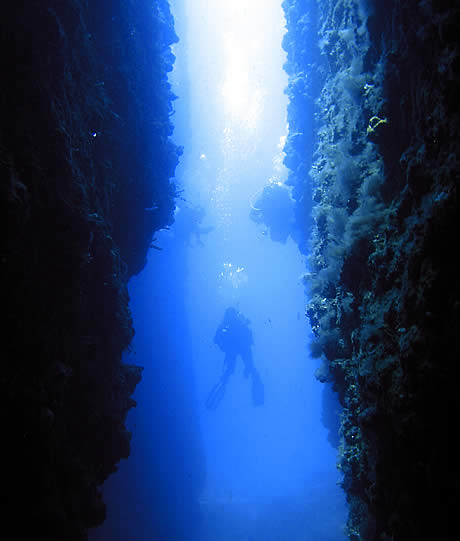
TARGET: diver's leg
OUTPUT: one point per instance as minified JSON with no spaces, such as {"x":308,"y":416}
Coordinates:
{"x":229,"y":362}
{"x":198,"y":238}
{"x":249,"y":368}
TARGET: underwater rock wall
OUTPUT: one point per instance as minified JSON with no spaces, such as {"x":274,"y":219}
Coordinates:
{"x":85,"y":165}
{"x":306,"y":73}
{"x":384,"y":300}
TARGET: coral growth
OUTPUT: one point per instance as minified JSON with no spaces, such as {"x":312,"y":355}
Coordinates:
{"x":383,"y":300}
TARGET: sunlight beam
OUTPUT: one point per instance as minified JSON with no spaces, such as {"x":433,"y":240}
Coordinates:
{"x":244,"y":33}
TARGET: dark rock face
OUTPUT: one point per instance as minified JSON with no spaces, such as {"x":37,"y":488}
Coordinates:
{"x":85,"y":165}
{"x":384,"y":298}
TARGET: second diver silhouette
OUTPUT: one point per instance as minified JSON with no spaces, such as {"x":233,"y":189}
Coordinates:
{"x":234,"y":337}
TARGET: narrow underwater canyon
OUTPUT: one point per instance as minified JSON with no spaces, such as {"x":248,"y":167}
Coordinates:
{"x":99,"y":137}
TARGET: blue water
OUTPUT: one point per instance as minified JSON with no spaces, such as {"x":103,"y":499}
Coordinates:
{"x":241,"y":472}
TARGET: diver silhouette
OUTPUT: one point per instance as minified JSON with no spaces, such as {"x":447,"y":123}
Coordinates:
{"x":234,"y":338}
{"x":187,"y":224}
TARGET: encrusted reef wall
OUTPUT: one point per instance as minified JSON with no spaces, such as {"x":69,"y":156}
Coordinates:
{"x":85,"y":164}
{"x":384,"y":303}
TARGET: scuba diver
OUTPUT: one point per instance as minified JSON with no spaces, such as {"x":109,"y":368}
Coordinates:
{"x":187,"y":223}
{"x":234,"y":337}
{"x":275,"y":208}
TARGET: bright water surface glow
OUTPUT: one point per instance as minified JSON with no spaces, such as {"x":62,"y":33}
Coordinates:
{"x":254,"y":456}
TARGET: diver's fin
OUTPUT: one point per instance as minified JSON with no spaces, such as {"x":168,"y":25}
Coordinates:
{"x":215,"y":396}
{"x":258,"y":393}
